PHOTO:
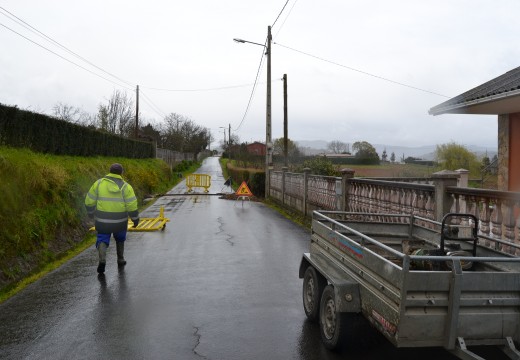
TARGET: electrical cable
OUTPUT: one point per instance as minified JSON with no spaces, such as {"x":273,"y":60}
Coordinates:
{"x":70,"y":61}
{"x":197,"y":90}
{"x":252,"y":92}
{"x":289,"y":14}
{"x":280,"y":13}
{"x":152,"y":104}
{"x":31,"y":28}
{"x":362,"y":72}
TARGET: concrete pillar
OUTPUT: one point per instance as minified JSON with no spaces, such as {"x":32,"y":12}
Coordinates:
{"x":463,"y":182}
{"x":464,"y":178}
{"x":284,"y":171}
{"x":346,"y":175}
{"x":443,"y":201}
{"x":306,"y":173}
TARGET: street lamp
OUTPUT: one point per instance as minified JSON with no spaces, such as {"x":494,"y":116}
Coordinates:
{"x":268,"y":140}
{"x":221,"y":127}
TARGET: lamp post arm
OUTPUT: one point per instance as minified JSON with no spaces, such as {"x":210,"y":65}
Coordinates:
{"x":249,"y":42}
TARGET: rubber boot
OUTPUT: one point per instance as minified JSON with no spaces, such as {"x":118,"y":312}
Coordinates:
{"x":102,"y":250}
{"x":120,"y":247}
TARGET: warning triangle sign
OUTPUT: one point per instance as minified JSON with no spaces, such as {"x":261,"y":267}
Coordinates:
{"x":243,"y":190}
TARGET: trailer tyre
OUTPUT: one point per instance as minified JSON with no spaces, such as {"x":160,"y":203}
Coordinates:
{"x":332,"y":322}
{"x":313,"y":285}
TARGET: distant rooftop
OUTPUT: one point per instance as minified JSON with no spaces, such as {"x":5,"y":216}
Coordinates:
{"x":498,"y":96}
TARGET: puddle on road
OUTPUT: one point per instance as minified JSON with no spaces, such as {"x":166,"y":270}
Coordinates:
{"x":169,"y":205}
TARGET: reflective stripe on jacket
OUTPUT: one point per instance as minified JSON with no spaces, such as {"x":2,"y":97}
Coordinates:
{"x":111,"y":200}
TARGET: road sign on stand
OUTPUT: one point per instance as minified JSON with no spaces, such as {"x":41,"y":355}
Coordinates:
{"x":243,"y":190}
{"x":243,"y":193}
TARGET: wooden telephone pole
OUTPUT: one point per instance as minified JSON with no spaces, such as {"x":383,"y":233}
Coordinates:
{"x":137,"y":112}
{"x":285,"y":120}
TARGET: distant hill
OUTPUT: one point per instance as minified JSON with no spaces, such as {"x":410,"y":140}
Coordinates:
{"x":426,"y":152}
{"x":311,"y":147}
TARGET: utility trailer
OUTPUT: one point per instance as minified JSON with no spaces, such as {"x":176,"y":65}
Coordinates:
{"x":421,"y":283}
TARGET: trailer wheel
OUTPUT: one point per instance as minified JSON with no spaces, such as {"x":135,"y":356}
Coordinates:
{"x":332,"y":322}
{"x":313,"y":285}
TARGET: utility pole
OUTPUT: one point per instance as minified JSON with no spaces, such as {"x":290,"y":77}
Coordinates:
{"x":229,"y":134}
{"x":285,"y":120}
{"x":268,"y":141}
{"x":137,"y":112}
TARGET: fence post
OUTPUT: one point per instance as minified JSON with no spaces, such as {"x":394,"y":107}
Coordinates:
{"x":443,"y":201}
{"x":464,"y":177}
{"x":284,"y":171}
{"x":463,"y":182}
{"x":346,"y":175}
{"x":306,"y":173}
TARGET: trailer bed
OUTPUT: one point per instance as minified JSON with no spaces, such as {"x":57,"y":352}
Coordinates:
{"x":391,"y":269}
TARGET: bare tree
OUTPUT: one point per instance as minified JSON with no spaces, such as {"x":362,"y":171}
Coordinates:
{"x":171,"y":136}
{"x":117,"y":116}
{"x":73,"y":114}
{"x":180,"y":133}
{"x":338,"y":147}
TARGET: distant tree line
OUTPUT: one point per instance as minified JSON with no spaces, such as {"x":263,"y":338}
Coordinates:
{"x":49,"y":135}
{"x":117,"y":116}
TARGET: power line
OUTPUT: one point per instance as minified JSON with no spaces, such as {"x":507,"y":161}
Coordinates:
{"x":252,"y":92}
{"x":70,"y":61}
{"x":280,"y":13}
{"x":31,"y":28}
{"x":363,"y":72}
{"x":152,"y":105}
{"x":258,"y":72}
{"x":198,"y":90}
{"x":289,"y":14}
{"x":259,"y":69}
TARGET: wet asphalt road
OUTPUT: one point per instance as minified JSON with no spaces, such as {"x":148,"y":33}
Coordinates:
{"x":220,"y":282}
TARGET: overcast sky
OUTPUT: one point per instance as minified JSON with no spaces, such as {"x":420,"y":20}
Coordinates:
{"x":357,"y":70}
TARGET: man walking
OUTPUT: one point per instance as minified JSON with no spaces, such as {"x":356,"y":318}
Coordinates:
{"x":110,"y":201}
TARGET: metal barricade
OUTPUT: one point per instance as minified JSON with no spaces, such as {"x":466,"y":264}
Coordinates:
{"x":198,"y":180}
{"x":147,"y":224}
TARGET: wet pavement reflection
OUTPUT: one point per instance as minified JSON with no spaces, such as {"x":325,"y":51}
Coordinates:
{"x":220,"y":282}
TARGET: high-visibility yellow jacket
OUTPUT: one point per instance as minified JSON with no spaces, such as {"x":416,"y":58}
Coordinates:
{"x":111,"y":200}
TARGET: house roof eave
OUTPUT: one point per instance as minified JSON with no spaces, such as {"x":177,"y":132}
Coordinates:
{"x":508,"y":102}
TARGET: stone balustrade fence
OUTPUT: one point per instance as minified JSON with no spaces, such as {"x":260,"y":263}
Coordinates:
{"x":498,"y":212}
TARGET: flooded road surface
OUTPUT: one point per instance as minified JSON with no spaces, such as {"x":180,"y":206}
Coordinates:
{"x":220,"y":282}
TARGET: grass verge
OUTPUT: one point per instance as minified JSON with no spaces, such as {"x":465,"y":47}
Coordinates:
{"x":13,"y":289}
{"x":294,"y":216}
{"x":45,"y":194}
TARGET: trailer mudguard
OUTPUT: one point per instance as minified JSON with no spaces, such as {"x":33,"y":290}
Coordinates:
{"x":346,"y":289}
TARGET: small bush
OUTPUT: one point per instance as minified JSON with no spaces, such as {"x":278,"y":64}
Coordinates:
{"x":257,"y":184}
{"x":319,"y":165}
{"x":245,"y":176}
{"x":183,"y":166}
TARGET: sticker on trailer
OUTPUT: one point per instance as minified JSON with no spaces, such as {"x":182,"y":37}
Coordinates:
{"x":346,"y":246}
{"x":387,"y":325}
